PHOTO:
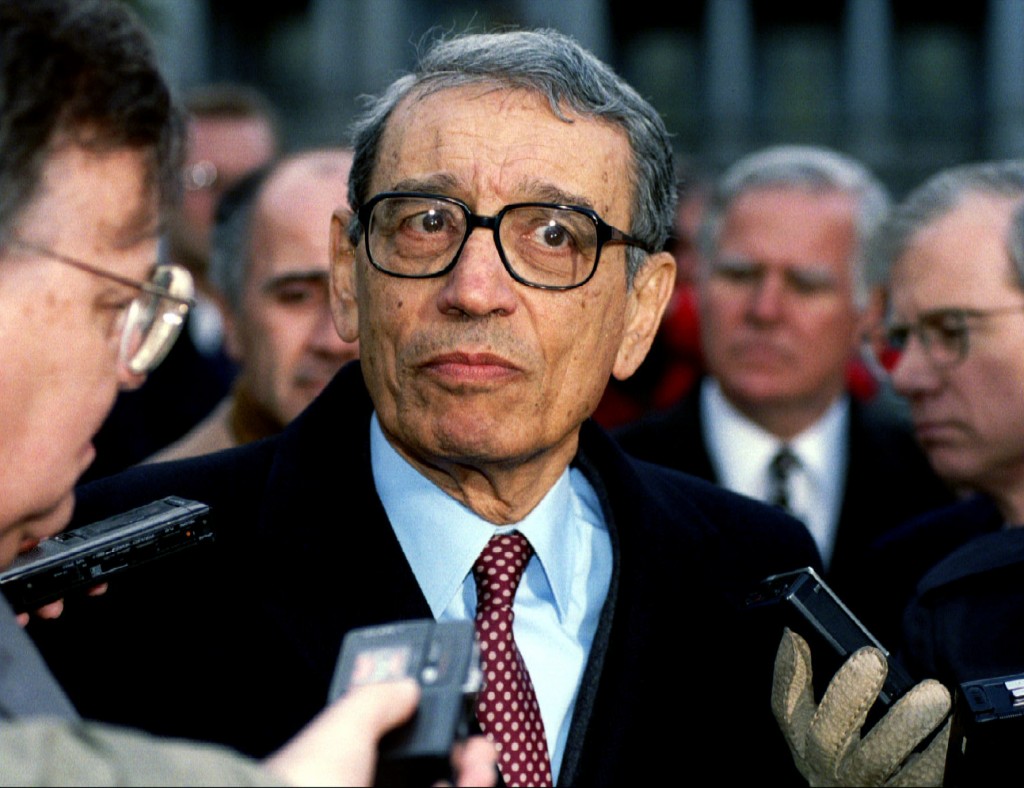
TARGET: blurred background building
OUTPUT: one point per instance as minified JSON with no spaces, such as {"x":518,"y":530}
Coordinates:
{"x":906,"y":86}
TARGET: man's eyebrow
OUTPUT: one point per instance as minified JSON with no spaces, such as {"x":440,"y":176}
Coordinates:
{"x":294,"y":277}
{"x":548,"y":192}
{"x":531,"y":191}
{"x":946,"y":311}
{"x":440,"y":183}
{"x":744,"y":260}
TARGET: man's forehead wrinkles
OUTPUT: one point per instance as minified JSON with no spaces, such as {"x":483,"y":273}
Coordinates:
{"x":457,"y":143}
{"x":505,"y":183}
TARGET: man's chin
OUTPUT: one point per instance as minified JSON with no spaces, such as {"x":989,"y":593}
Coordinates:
{"x":35,"y":526}
{"x":53,"y":519}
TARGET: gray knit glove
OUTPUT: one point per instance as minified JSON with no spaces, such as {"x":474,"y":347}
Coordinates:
{"x":825,"y":739}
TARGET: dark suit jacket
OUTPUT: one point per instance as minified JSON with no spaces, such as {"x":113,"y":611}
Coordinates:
{"x":175,"y":397}
{"x":888,"y":481}
{"x":961,"y":571}
{"x":960,"y":574}
{"x":237,"y":643}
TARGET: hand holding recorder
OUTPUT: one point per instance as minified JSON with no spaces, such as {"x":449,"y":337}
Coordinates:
{"x":83,"y":558}
{"x":340,"y":746}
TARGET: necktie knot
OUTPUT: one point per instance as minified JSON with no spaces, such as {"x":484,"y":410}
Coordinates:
{"x":779,"y":471}
{"x":499,"y":569}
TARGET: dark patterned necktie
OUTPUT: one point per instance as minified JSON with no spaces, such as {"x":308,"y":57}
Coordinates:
{"x":779,"y":471}
{"x":507,"y":706}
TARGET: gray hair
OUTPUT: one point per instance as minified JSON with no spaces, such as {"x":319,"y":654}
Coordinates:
{"x":571,"y":79}
{"x":939,"y":195}
{"x":807,"y":167}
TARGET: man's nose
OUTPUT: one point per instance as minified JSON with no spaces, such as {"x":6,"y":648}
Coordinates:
{"x":767,"y":297}
{"x":913,"y":370}
{"x":479,"y":284}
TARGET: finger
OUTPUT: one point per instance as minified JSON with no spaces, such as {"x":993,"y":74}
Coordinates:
{"x":381,"y":707}
{"x":843,"y":709}
{"x":893,"y":738}
{"x":339,"y":747}
{"x":474,"y":762}
{"x":52,"y":610}
{"x":98,"y":590}
{"x":792,"y":690}
{"x":928,"y":767}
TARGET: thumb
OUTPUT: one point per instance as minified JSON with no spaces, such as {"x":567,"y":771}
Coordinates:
{"x":339,"y":747}
{"x":378,"y":707}
{"x":792,"y":690}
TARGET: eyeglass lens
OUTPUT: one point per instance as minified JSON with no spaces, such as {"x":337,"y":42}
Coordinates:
{"x":154,"y":321}
{"x":943,"y":337}
{"x":543,"y":245}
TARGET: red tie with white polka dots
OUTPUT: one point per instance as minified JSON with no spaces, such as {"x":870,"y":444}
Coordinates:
{"x":507,"y":706}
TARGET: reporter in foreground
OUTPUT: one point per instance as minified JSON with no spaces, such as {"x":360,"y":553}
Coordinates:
{"x":91,"y":154}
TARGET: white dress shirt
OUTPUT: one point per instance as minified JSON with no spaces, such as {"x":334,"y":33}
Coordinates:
{"x":559,"y":601}
{"x":741,"y":452}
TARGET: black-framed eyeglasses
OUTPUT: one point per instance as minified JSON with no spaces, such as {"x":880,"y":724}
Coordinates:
{"x":944,"y":334}
{"x":553,"y":247}
{"x":153,"y":320}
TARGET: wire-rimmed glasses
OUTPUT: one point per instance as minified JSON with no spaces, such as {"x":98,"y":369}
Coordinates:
{"x":153,"y":320}
{"x":944,"y":334}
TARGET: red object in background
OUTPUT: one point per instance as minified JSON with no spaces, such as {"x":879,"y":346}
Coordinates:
{"x":669,"y":371}
{"x":675,"y":362}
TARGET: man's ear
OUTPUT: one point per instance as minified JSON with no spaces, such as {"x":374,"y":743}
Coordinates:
{"x":648,"y":299}
{"x":344,"y":306}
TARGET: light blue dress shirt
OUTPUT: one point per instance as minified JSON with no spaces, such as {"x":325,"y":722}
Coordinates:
{"x":559,"y":601}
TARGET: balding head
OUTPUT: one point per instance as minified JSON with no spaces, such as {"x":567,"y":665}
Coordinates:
{"x":299,"y":195}
{"x":274,"y":279}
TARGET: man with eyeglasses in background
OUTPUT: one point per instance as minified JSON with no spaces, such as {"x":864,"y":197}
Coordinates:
{"x":952,"y":255}
{"x":91,"y":143}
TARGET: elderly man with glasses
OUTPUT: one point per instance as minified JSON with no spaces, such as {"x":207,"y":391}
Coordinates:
{"x":513,"y":197}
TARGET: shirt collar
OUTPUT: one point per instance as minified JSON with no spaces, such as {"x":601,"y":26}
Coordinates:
{"x":442,"y":538}
{"x":820,"y":448}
